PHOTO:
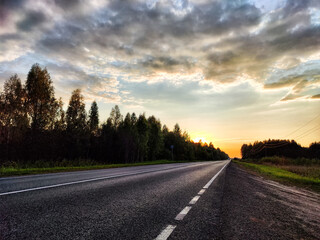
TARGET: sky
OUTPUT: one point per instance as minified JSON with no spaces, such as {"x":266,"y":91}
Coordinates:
{"x":228,"y":71}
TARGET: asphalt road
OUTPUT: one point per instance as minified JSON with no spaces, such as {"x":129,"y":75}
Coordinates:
{"x":146,"y":202}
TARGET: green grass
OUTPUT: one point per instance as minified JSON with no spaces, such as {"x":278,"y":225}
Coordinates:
{"x":15,"y":171}
{"x":284,"y":176}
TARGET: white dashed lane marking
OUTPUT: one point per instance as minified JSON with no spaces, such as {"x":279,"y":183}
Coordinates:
{"x":169,"y":229}
{"x":194,"y":200}
{"x":183,"y":213}
{"x":166,"y":232}
{"x":201,"y":191}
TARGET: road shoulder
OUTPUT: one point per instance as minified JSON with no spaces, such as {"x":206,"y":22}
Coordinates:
{"x":256,"y":208}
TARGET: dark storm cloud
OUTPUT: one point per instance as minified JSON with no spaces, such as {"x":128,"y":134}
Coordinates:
{"x":303,"y":40}
{"x":11,"y":4}
{"x":6,"y":6}
{"x":10,"y":36}
{"x":58,"y":45}
{"x":67,"y":4}
{"x":217,"y":19}
{"x":214,"y":17}
{"x":31,"y":20}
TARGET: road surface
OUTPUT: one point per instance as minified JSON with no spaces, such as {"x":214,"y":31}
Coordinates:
{"x":147,"y":202}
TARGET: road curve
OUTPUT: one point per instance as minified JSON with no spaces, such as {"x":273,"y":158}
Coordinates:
{"x":146,"y":202}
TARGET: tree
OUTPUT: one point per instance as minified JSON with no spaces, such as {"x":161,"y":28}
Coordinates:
{"x":93,"y":122}
{"x":34,"y":126}
{"x":126,"y":139}
{"x":106,"y":142}
{"x":165,"y":130}
{"x":40,"y":98}
{"x":155,"y":140}
{"x":142,"y":129}
{"x":77,"y":131}
{"x":76,"y":113}
{"x":116,"y":117}
{"x":177,"y":130}
{"x":60,"y":122}
{"x":13,"y":116}
{"x":133,"y":118}
{"x":13,"y":111}
{"x":127,"y":122}
{"x":314,"y":150}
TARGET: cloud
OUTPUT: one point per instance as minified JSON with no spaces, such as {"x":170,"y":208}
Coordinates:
{"x":31,"y":20}
{"x":299,"y":80}
{"x":221,"y":40}
{"x":67,"y":4}
{"x":167,"y":64}
{"x":69,"y":78}
{"x":316,"y":96}
{"x":6,"y":7}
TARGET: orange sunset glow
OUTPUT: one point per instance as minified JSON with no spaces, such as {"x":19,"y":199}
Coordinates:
{"x":200,"y":139}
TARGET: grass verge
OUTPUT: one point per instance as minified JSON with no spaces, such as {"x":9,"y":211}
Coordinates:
{"x":284,"y":176}
{"x":12,"y":171}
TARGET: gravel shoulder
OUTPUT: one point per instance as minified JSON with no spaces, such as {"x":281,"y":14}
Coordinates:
{"x":256,"y":208}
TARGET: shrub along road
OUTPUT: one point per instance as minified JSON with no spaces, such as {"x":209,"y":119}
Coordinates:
{"x":179,"y":201}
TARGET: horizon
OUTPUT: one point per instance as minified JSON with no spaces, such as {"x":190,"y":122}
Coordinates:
{"x":229,"y":72}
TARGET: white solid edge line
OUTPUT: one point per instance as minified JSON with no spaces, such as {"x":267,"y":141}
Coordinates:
{"x":194,"y":200}
{"x":91,"y":180}
{"x":215,"y":176}
{"x":183,"y":213}
{"x":166,"y":232}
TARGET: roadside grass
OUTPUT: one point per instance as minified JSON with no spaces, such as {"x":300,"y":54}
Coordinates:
{"x":16,"y":171}
{"x":284,"y":161}
{"x":305,"y":171}
{"x":302,"y":176}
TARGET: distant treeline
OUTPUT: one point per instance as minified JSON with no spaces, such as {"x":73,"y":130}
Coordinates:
{"x":281,"y":148}
{"x":35,"y":127}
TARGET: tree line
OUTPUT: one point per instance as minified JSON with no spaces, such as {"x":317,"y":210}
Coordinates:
{"x":280,"y":148}
{"x":35,"y":127}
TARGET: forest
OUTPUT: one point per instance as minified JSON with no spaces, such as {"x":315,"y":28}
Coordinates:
{"x":35,"y":127}
{"x":280,"y":148}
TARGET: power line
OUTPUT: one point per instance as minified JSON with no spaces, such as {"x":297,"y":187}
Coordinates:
{"x":281,"y":145}
{"x":302,"y":126}
{"x":269,"y":146}
{"x":308,"y":132}
{"x":276,"y":144}
{"x":255,"y":151}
